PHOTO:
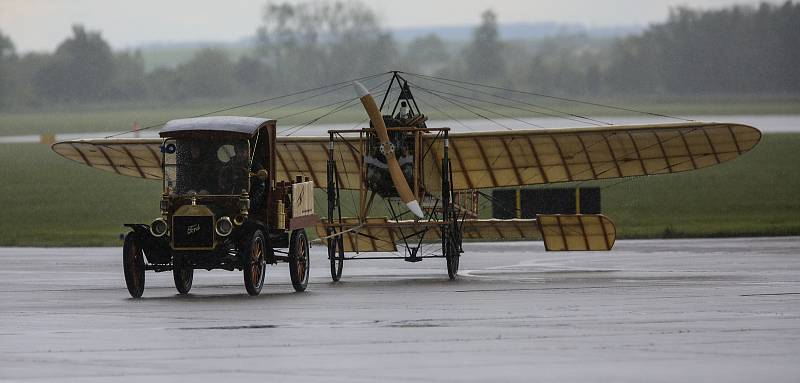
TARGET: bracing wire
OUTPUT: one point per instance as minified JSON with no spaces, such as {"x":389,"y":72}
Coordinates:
{"x":553,"y":97}
{"x":456,"y":103}
{"x":562,"y":114}
{"x":227,"y":109}
{"x":481,"y":108}
{"x":341,"y":105}
{"x":298,"y":100}
{"x":446,"y":114}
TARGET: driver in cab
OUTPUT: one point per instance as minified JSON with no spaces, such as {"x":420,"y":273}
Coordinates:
{"x":193,"y":169}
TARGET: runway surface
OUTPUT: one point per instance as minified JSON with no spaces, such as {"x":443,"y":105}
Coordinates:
{"x":722,"y":310}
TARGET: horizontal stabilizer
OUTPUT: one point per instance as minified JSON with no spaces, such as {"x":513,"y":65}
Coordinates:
{"x":577,"y":232}
{"x":560,"y":232}
{"x":500,"y":229}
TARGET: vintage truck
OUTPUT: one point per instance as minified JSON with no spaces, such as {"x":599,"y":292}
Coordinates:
{"x":221,"y":207}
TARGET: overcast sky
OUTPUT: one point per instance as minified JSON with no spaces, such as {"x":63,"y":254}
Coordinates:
{"x":41,"y":24}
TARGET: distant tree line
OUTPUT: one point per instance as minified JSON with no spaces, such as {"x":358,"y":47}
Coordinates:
{"x":733,"y":51}
{"x":728,"y":51}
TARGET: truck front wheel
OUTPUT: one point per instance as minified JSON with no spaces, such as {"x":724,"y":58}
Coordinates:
{"x":182,"y":274}
{"x":133,"y":265}
{"x":254,"y":262}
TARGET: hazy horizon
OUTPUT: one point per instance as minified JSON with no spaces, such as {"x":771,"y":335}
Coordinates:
{"x":126,"y":25}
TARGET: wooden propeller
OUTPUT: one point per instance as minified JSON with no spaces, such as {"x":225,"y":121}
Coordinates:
{"x":388,"y":150}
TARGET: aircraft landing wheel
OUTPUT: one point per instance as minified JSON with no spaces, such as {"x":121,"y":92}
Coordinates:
{"x":254,"y":264}
{"x":182,"y":275}
{"x":451,"y":255}
{"x":336,"y":256}
{"x":133,"y":265}
{"x":299,"y":260}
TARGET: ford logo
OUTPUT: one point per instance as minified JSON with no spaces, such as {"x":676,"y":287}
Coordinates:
{"x":193,"y":229}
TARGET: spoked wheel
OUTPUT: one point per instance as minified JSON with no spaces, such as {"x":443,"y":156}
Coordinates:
{"x":451,"y":255}
{"x":182,"y":273}
{"x":133,"y":265}
{"x":336,"y":256}
{"x":254,"y":263}
{"x":299,"y":259}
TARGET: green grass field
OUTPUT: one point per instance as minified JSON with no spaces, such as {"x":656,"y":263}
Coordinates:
{"x":49,"y":201}
{"x":754,"y":195}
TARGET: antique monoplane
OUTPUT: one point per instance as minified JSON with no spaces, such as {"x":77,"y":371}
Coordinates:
{"x":236,"y":193}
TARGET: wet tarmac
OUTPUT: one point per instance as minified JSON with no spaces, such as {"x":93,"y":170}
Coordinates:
{"x":723,"y":310}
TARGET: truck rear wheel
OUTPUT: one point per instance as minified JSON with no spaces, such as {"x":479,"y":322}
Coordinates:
{"x":133,"y":265}
{"x":254,"y":263}
{"x":299,"y":260}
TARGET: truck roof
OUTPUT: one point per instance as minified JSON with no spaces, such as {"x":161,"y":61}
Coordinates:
{"x":229,"y":124}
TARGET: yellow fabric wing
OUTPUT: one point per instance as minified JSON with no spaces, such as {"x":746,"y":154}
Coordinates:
{"x":129,"y":157}
{"x":530,"y":157}
{"x":141,"y":157}
{"x":478,"y":160}
{"x":308,"y":156}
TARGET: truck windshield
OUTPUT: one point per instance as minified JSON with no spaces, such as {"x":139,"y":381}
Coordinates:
{"x":205,"y":167}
